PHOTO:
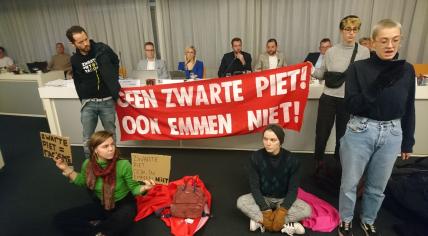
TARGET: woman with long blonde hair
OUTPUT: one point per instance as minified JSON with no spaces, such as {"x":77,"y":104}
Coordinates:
{"x":190,"y":65}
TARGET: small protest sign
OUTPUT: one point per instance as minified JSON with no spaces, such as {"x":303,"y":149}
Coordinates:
{"x":151,"y":166}
{"x":55,"y":146}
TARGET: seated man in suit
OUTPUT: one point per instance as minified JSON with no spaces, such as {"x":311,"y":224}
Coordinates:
{"x":271,"y":59}
{"x":151,"y":63}
{"x":235,"y":62}
{"x":366,"y":42}
{"x":316,"y":57}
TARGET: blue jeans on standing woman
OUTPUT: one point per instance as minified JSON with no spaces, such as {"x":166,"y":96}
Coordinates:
{"x":371,"y":146}
{"x":89,"y":114}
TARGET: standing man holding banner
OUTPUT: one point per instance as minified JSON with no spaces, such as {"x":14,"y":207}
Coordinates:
{"x":96,"y":78}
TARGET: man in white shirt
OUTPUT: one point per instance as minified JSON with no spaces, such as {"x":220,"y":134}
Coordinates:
{"x":5,"y":61}
{"x":316,"y":58}
{"x":272,"y":58}
{"x":151,"y":63}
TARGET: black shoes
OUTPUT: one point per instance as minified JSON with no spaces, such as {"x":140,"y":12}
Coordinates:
{"x":345,"y":229}
{"x":369,"y":230}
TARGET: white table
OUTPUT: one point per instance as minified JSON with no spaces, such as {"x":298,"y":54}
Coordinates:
{"x":19,"y":94}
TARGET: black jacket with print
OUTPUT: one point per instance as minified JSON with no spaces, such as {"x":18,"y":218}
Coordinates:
{"x":96,"y":75}
{"x":383,"y":90}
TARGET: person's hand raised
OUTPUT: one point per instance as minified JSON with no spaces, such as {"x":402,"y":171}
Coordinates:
{"x":60,"y":163}
{"x":241,"y":58}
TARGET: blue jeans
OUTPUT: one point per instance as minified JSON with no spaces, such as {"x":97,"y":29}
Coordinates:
{"x":89,"y":117}
{"x":371,"y":146}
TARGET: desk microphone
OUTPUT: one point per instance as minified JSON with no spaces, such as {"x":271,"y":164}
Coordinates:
{"x":230,"y":64}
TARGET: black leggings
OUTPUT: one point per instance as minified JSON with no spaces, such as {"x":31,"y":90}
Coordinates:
{"x":330,"y":109}
{"x":77,"y":221}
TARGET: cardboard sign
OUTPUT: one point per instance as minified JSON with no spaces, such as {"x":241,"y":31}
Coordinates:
{"x":151,"y":166}
{"x":56,"y":146}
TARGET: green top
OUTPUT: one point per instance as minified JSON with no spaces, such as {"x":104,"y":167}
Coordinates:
{"x":124,"y":181}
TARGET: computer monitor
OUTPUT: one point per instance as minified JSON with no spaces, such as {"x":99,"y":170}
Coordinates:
{"x":177,"y":74}
{"x":38,"y":66}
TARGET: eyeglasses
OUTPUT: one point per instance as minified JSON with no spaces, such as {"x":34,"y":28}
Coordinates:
{"x":348,"y":30}
{"x":386,"y":41}
{"x":149,"y":50}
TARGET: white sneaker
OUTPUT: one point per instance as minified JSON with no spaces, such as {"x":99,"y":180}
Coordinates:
{"x":293,"y":228}
{"x":254,"y":226}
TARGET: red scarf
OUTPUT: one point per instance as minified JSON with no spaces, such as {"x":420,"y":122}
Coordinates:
{"x":94,"y":170}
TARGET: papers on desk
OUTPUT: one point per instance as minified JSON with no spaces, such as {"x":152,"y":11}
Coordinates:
{"x":171,"y":81}
{"x":124,"y":83}
{"x":60,"y":83}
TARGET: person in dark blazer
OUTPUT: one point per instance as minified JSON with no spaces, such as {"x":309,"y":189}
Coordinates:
{"x":235,"y":62}
{"x":316,"y":57}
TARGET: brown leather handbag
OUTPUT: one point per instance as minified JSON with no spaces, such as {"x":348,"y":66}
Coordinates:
{"x":188,"y":201}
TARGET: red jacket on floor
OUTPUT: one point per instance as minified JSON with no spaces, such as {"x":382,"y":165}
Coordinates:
{"x":160,"y":196}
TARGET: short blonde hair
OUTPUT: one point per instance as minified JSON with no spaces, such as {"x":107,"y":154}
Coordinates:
{"x":350,"y":20}
{"x":382,"y":24}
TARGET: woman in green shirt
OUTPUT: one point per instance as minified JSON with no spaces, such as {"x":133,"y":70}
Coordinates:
{"x":110,"y":179}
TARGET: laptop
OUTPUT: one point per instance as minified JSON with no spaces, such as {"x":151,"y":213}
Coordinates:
{"x":38,"y":66}
{"x":177,"y":74}
{"x":146,"y":77}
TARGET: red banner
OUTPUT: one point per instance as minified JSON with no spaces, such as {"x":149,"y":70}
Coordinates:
{"x":220,"y":107}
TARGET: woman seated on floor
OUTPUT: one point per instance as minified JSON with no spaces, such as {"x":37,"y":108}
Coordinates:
{"x":110,"y":179}
{"x":274,"y":178}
